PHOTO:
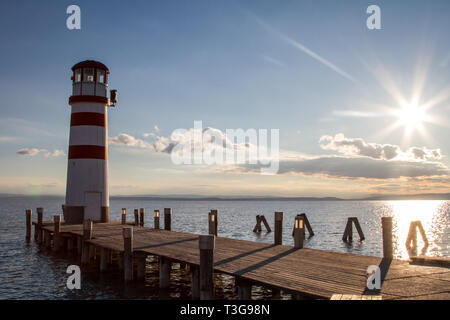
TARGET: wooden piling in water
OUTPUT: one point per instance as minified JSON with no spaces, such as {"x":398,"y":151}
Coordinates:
{"x":127,"y":233}
{"x":206,"y":246}
{"x":348,"y":233}
{"x":38,"y":226}
{"x":141,"y":217}
{"x":244,"y":288}
{"x":165,"y":266}
{"x":136,"y":217}
{"x":124,"y":216}
{"x":141,"y":261}
{"x":28,"y":225}
{"x":87,"y":235}
{"x":266,"y":224}
{"x":168,"y":219}
{"x":105,"y":256}
{"x":278,"y":236}
{"x":299,"y":232}
{"x":386,"y":225}
{"x":257,"y":227}
{"x":56,"y":232}
{"x":195,"y":281}
{"x":156,"y":220}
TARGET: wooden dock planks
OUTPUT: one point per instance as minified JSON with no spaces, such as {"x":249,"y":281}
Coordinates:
{"x":316,"y":273}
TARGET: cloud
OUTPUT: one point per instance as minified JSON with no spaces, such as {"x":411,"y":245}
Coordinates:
{"x":160,"y":143}
{"x":28,"y":152}
{"x":360,"y":167}
{"x":34,"y":151}
{"x":358,"y":147}
{"x":356,"y":114}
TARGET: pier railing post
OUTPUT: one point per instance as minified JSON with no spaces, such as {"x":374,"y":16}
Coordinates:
{"x":299,"y":232}
{"x":127,"y":233}
{"x":386,"y":224}
{"x":156,"y":220}
{"x":87,"y":235}
{"x":141,"y":217}
{"x":212,"y":222}
{"x":278,"y":236}
{"x":124,"y":216}
{"x":56,"y":232}
{"x":244,"y":288}
{"x":28,"y":225}
{"x":40,"y":215}
{"x":206,"y":245}
{"x":168,"y":219}
{"x":136,"y":217}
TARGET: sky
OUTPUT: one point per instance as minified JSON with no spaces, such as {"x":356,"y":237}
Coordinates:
{"x":360,"y":112}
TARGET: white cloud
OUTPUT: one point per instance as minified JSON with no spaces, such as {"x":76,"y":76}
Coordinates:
{"x":358,"y":147}
{"x":34,"y":151}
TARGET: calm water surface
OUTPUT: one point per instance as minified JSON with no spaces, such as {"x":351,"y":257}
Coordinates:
{"x":29,"y":273}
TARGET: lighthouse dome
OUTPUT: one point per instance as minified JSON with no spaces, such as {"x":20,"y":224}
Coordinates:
{"x":90,"y":64}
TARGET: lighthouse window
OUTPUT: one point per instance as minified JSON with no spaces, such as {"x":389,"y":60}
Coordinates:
{"x":88,"y":75}
{"x":100,"y":76}
{"x":78,"y":75}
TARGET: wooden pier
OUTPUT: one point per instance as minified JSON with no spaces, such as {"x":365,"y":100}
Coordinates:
{"x":302,"y":272}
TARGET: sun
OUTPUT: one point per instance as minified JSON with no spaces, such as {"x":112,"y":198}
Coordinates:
{"x":411,"y":116}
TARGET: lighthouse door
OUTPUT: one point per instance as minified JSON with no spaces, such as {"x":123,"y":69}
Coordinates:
{"x":93,"y":205}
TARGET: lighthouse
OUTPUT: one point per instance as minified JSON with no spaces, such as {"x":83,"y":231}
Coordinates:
{"x":87,"y":195}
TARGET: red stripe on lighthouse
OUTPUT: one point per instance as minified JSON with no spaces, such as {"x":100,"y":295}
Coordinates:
{"x":88,"y":152}
{"x":88,"y":119}
{"x":88,"y":98}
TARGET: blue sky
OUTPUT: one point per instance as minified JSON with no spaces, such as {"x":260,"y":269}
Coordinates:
{"x":231,"y":64}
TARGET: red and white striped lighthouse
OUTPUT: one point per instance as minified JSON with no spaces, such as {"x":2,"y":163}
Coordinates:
{"x":87,"y":195}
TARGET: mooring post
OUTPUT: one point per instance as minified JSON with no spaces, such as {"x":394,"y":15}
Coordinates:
{"x":206,"y":245}
{"x":156,"y":220}
{"x":165,"y":266}
{"x":299,"y":232}
{"x":40,"y":214}
{"x":87,"y":235}
{"x":168,"y":219}
{"x":28,"y":224}
{"x":128,"y":253}
{"x":386,"y":224}
{"x":136,"y":217}
{"x":195,"y":281}
{"x":56,"y":232}
{"x":124,"y":216}
{"x":244,"y":288}
{"x":141,"y":217}
{"x":212,"y":222}
{"x":278,"y":236}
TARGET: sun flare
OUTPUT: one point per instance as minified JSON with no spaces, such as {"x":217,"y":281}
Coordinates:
{"x":411,"y":116}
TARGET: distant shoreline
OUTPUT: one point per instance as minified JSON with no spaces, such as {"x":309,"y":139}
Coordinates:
{"x":433,"y":196}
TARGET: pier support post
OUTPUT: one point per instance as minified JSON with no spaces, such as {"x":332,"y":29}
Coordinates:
{"x":299,"y":232}
{"x":69,"y":244}
{"x":168,"y":219}
{"x":124,"y":216}
{"x":212,"y":222}
{"x":28,"y":225}
{"x":47,"y":239}
{"x":141,"y":217}
{"x":165,"y":267}
{"x":195,"y":281}
{"x":156,"y":220}
{"x":141,"y":267}
{"x":278,"y":236}
{"x":56,"y":233}
{"x":136,"y":217}
{"x":257,"y":227}
{"x":87,"y":235}
{"x":386,"y":224}
{"x":128,"y":253}
{"x":79,"y":245}
{"x":105,"y":255}
{"x":244,"y":289}
{"x":206,"y":245}
{"x":38,"y":228}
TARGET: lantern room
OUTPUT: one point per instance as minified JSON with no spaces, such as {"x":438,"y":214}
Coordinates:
{"x":90,"y":78}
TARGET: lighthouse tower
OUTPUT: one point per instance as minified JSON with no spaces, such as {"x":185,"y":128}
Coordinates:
{"x":87,"y":195}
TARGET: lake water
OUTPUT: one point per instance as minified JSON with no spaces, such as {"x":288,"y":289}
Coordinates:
{"x":26,"y":272}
